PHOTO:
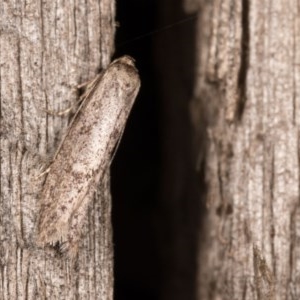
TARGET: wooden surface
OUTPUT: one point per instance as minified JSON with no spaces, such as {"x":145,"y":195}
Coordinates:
{"x":46,"y":50}
{"x":248,"y":93}
{"x":233,"y":76}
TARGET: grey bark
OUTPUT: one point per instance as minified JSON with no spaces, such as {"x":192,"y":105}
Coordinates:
{"x":245,"y":118}
{"x":46,"y":50}
{"x":248,"y":93}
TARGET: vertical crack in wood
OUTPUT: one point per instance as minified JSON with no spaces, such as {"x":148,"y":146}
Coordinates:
{"x":242,"y":76}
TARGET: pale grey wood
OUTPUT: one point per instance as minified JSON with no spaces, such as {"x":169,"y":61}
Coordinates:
{"x":248,"y":93}
{"x":46,"y":50}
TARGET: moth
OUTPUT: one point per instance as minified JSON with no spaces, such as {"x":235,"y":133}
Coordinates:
{"x":85,"y":154}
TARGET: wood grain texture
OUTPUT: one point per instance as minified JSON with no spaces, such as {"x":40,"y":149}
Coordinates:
{"x":248,"y":94}
{"x":46,"y":49}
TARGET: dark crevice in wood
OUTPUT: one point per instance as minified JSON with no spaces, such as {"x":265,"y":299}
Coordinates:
{"x":242,"y":77}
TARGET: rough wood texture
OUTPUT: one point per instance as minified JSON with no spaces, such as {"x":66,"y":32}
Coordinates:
{"x":248,"y":93}
{"x":46,"y":50}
